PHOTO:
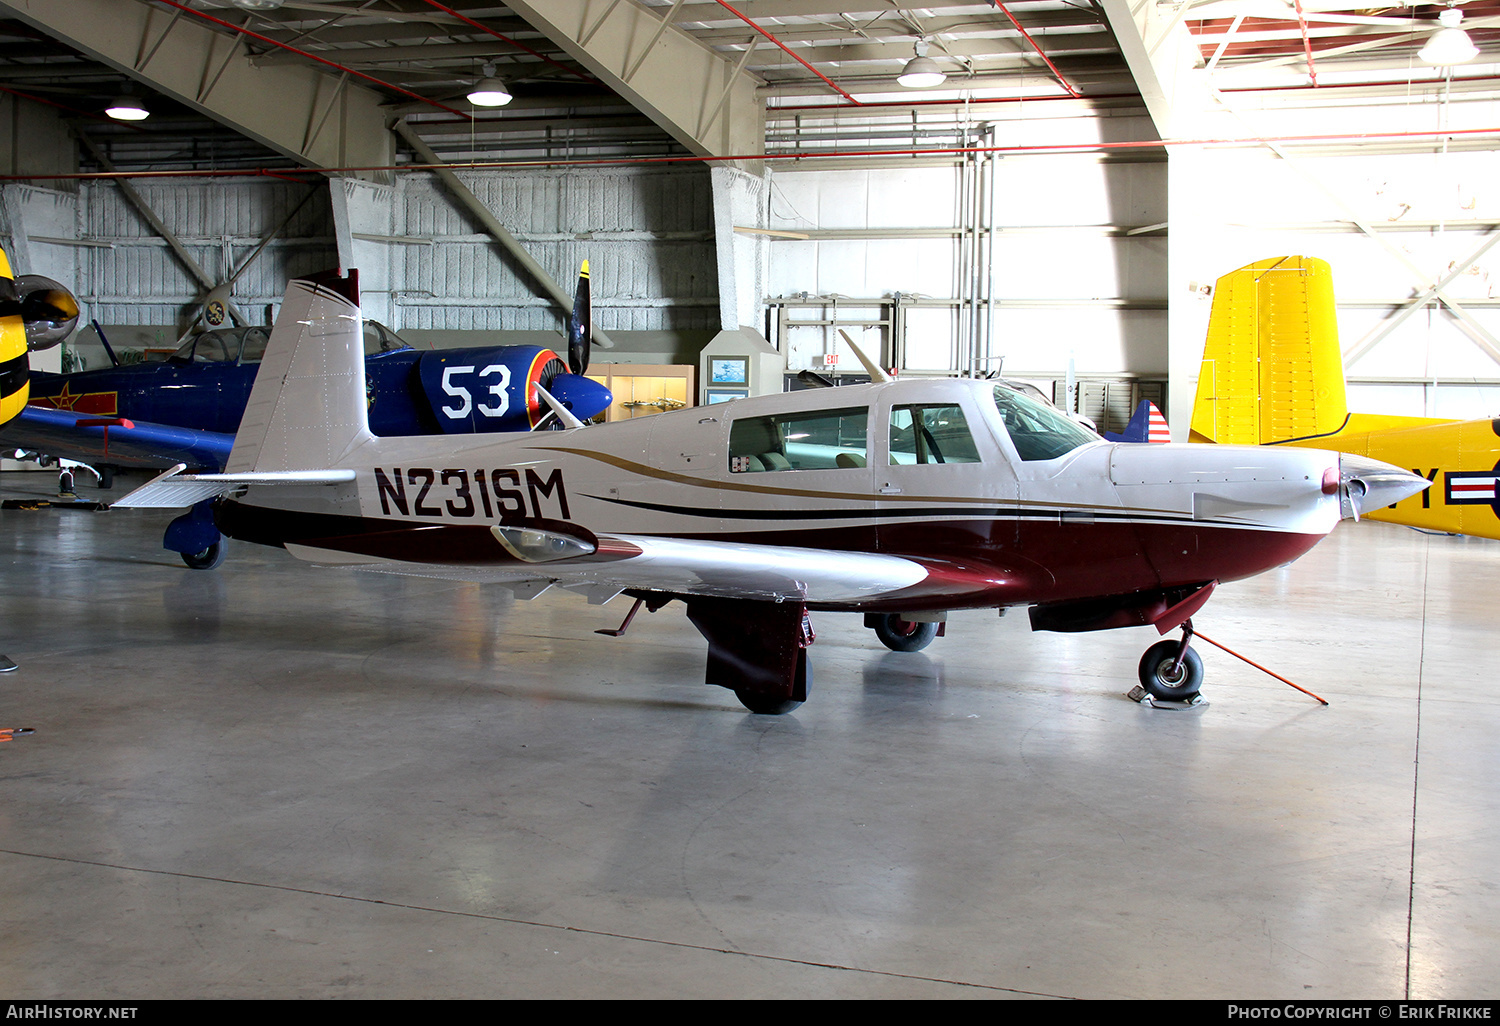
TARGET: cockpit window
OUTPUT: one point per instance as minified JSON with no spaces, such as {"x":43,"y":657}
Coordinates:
{"x":1039,"y":431}
{"x":253,"y":347}
{"x":817,"y":440}
{"x":380,"y":339}
{"x":221,"y":346}
{"x":931,"y":434}
{"x":248,"y":345}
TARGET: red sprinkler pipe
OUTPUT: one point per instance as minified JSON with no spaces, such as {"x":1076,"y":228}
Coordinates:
{"x":71,"y":110}
{"x":1047,"y":60}
{"x":836,"y":88}
{"x":313,"y":57}
{"x":1312,"y":72}
{"x":932,"y":151}
{"x":506,"y":39}
{"x":785,"y":49}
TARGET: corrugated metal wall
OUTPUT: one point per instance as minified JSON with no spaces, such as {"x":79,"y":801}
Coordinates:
{"x":648,"y":236}
{"x":1056,"y":257}
{"x":139,"y":280}
{"x":647,"y":233}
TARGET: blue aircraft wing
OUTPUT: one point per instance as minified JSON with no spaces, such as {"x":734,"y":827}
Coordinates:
{"x":117,"y":441}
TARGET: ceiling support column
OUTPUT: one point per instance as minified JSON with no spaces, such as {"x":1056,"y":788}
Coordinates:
{"x":691,"y":92}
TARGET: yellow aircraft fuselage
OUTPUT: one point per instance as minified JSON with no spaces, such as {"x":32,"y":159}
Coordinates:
{"x":1272,"y":374}
{"x":1459,"y":457}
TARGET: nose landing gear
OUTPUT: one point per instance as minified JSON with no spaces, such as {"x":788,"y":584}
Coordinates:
{"x":1171,"y":671}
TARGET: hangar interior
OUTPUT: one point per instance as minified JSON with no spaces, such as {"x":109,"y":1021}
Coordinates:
{"x":271,"y":781}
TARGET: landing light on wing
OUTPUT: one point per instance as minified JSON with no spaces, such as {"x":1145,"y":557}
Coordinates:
{"x":535,"y":545}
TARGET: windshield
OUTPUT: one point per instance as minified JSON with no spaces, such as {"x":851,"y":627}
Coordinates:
{"x":1026,"y":388}
{"x":221,"y":346}
{"x":248,"y":345}
{"x":1039,"y":431}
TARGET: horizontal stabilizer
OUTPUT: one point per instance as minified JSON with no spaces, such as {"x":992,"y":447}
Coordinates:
{"x":173,"y":489}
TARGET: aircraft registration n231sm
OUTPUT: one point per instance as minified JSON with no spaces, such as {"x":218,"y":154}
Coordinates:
{"x":901,"y":500}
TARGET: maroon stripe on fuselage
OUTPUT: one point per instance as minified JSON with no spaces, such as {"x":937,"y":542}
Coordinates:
{"x":975,"y":563}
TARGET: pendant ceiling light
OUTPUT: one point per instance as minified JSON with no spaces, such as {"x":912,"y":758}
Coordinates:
{"x":127,"y":108}
{"x":1449,"y":44}
{"x":489,"y":91}
{"x":921,"y":72}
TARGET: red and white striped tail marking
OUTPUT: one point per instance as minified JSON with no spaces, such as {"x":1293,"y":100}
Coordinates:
{"x":1158,"y":431}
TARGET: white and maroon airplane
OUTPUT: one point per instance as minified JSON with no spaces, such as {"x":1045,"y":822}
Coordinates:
{"x":901,"y":500}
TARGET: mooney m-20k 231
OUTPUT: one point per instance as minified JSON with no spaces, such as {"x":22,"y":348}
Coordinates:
{"x":901,"y":500}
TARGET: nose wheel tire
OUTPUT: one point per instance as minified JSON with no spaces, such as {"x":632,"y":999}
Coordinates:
{"x":1159,"y":679}
{"x":900,"y":635}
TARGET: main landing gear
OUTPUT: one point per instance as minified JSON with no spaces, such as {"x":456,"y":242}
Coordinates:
{"x":900,"y":635}
{"x":758,"y":650}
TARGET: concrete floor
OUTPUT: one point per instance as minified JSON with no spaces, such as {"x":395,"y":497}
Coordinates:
{"x":277,"y":781}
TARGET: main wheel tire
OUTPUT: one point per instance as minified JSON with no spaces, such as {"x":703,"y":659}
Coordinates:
{"x":900,"y":635}
{"x":766,"y":705}
{"x":208,"y":558}
{"x":1159,"y":680}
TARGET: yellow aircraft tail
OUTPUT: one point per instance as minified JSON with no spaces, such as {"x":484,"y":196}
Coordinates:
{"x":1273,"y":374}
{"x":1272,"y":371}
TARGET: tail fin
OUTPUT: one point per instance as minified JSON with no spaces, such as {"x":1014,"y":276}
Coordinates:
{"x":308,"y":408}
{"x":1272,"y":370}
{"x":1146,"y":425}
{"x":580,"y":325}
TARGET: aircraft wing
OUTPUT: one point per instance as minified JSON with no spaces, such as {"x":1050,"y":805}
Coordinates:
{"x":89,"y":438}
{"x":605,"y":565}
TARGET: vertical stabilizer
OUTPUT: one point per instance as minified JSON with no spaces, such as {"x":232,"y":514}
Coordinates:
{"x":1271,"y":370}
{"x":307,"y":409}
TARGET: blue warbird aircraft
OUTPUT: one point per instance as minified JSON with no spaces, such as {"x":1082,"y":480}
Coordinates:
{"x":187,"y":408}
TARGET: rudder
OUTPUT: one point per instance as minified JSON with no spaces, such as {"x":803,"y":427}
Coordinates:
{"x":308,"y":407}
{"x":1272,"y":370}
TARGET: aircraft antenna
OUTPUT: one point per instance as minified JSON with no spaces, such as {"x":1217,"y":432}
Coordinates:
{"x":876,"y":374}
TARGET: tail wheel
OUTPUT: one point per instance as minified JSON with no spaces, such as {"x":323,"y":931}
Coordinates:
{"x":1160,"y":679}
{"x":208,"y":558}
{"x":900,"y":635}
